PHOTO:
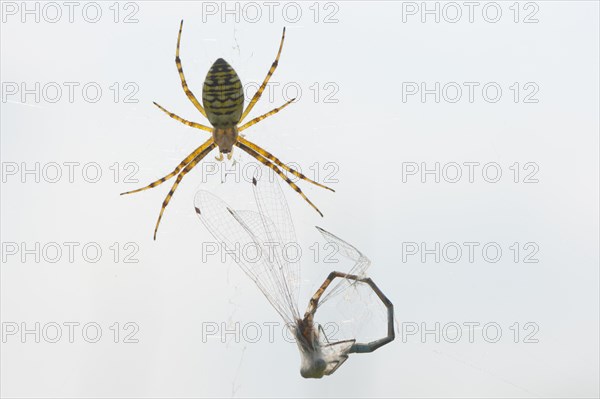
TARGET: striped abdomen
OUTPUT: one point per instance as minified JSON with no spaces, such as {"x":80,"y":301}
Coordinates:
{"x":222,"y":95}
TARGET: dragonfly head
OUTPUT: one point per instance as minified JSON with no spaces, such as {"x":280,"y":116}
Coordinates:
{"x":319,"y":358}
{"x":312,"y":364}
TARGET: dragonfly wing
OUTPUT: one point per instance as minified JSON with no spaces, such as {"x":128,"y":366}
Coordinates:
{"x":279,"y":228}
{"x":242,"y":234}
{"x":361,"y":264}
{"x":335,"y":354}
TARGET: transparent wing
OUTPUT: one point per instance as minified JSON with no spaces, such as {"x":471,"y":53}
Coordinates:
{"x":361,"y":264}
{"x":279,"y":227}
{"x":243,"y":235}
{"x":336,"y":354}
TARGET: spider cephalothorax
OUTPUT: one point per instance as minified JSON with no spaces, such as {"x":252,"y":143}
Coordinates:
{"x":223,"y":106}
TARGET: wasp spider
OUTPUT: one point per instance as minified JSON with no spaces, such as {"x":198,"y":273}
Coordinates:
{"x":223,"y":106}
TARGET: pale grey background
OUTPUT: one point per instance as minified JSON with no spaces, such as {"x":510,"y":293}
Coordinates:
{"x":368,"y":53}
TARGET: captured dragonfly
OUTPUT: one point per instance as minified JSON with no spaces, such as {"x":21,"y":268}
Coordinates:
{"x":279,"y":278}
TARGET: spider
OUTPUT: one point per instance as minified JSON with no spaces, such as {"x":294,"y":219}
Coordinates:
{"x":223,"y":106}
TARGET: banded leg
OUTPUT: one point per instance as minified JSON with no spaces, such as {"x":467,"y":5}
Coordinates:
{"x":185,"y":122}
{"x":260,"y":118}
{"x":184,"y":84}
{"x":267,"y":163}
{"x":185,"y":170}
{"x":314,"y":301}
{"x":277,"y":162}
{"x":357,"y":347}
{"x":264,"y":83}
{"x":181,"y":165}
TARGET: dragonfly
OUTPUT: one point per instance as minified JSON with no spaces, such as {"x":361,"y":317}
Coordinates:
{"x":269,"y":231}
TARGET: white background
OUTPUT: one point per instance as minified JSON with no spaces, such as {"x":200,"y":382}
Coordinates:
{"x":367,"y":51}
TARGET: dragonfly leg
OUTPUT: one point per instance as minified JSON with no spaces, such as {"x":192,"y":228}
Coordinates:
{"x":374,"y":345}
{"x":314,"y":301}
{"x":358,"y":347}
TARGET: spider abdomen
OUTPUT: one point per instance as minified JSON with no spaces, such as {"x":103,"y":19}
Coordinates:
{"x":223,"y":95}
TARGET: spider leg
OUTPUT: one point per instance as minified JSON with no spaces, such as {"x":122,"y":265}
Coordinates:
{"x":185,"y":170}
{"x":181,"y":165}
{"x":277,"y":162}
{"x":267,"y":163}
{"x":260,"y":118}
{"x":357,"y":347}
{"x":264,"y":83}
{"x":184,"y":84}
{"x":185,"y":122}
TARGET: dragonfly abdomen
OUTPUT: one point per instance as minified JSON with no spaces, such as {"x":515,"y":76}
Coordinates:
{"x":222,"y":95}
